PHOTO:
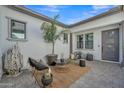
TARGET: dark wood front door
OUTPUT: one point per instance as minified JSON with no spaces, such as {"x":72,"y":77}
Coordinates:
{"x":110,"y":45}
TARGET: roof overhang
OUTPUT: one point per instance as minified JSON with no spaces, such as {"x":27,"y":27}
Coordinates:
{"x":27,"y":11}
{"x":110,"y":12}
{"x":46,"y":18}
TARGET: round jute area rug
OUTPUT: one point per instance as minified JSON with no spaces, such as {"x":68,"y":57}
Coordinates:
{"x":61,"y":69}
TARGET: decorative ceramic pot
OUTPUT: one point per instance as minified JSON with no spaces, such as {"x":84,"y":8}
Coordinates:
{"x":47,"y":79}
{"x":62,"y":60}
{"x":89,"y":57}
{"x":52,"y":59}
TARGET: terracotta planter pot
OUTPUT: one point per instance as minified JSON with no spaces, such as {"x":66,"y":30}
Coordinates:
{"x":52,"y":59}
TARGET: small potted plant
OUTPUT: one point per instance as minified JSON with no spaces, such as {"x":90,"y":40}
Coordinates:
{"x":47,"y":78}
{"x":62,"y":60}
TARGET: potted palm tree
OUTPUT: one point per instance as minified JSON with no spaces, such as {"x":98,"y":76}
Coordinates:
{"x":51,"y":34}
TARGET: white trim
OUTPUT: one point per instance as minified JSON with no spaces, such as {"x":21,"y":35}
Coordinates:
{"x":9,"y":30}
{"x":109,"y":61}
{"x":11,"y":18}
{"x":22,"y":40}
{"x":85,"y":49}
{"x":1,"y":71}
{"x":84,"y":40}
{"x":9,"y":27}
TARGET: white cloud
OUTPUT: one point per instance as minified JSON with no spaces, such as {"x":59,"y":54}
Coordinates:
{"x":96,"y":10}
{"x":73,"y":20}
{"x":88,"y":14}
{"x":50,"y":10}
{"x":53,"y":8}
{"x":99,"y":7}
{"x":93,"y":12}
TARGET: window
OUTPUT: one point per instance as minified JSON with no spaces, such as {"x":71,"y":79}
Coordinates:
{"x":18,"y":30}
{"x":65,"y":37}
{"x":89,"y":41}
{"x":80,"y":41}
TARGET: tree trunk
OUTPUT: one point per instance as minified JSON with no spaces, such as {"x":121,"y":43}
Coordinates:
{"x":53,"y":48}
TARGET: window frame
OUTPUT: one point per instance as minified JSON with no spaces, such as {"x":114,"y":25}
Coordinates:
{"x":9,"y":38}
{"x":86,"y":41}
{"x":11,"y":30}
{"x":65,"y":40}
{"x":78,"y":41}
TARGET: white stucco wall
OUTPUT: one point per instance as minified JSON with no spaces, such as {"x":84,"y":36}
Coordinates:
{"x":0,"y":44}
{"x":97,"y":39}
{"x":104,"y":21}
{"x":34,"y":46}
{"x":97,"y":26}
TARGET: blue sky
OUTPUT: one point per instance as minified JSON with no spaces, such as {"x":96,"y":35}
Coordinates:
{"x":70,"y":14}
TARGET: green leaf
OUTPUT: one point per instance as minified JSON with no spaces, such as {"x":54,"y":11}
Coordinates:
{"x":50,"y":31}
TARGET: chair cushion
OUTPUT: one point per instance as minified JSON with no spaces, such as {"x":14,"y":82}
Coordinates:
{"x":37,"y":65}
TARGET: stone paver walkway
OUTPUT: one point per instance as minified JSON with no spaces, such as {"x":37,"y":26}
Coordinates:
{"x":102,"y":75}
{"x":24,"y":80}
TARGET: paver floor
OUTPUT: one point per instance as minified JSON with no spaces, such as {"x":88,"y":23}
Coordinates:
{"x":24,"y":80}
{"x":102,"y":75}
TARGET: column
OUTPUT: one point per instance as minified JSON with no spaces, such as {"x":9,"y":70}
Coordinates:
{"x":122,"y":29}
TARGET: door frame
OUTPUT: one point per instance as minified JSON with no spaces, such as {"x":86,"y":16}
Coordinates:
{"x":118,"y":46}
